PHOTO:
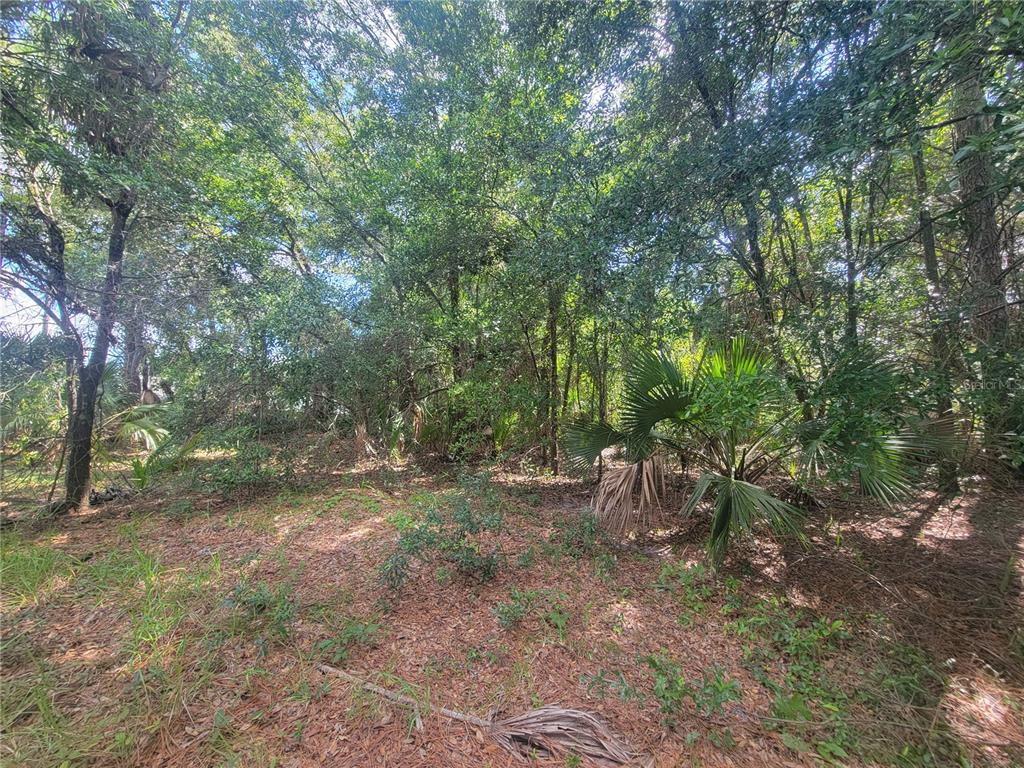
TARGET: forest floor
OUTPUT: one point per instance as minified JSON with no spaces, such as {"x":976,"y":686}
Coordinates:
{"x":187,"y":627}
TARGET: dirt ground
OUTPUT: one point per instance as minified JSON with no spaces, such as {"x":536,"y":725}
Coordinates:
{"x":187,"y":629}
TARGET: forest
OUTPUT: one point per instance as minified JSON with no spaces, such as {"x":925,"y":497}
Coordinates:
{"x":500,"y":382}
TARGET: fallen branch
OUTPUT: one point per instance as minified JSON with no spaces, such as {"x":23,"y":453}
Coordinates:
{"x":550,"y":731}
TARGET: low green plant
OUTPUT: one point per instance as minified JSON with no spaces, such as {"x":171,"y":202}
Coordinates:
{"x":512,"y":613}
{"x":305,"y":692}
{"x":163,"y":455}
{"x":526,"y":557}
{"x":249,"y":468}
{"x":480,"y":488}
{"x":181,"y":509}
{"x":27,"y":567}
{"x":402,"y":520}
{"x":452,"y":529}
{"x":352,"y":633}
{"x":394,"y":570}
{"x":714,"y":691}
{"x":264,"y":607}
{"x":671,"y":688}
{"x":691,"y":585}
{"x":558,"y":617}
{"x":578,"y":534}
{"x":604,"y":566}
{"x":602,"y":684}
{"x":786,"y":650}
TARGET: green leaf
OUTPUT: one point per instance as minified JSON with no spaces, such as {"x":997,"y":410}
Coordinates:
{"x":795,"y":742}
{"x":584,"y":442}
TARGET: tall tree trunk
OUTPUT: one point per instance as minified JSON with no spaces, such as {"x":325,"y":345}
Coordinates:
{"x":454,"y":296}
{"x":754,"y":261}
{"x":79,"y":454}
{"x":753,"y":264}
{"x":601,"y":382}
{"x":942,"y":348}
{"x":986,"y":299}
{"x":134,"y":353}
{"x":846,"y":213}
{"x":570,"y":359}
{"x":554,"y":304}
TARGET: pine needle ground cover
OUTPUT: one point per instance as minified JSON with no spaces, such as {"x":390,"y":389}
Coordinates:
{"x":150,"y":633}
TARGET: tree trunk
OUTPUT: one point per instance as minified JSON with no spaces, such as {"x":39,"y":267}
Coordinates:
{"x":79,"y":455}
{"x":754,"y":266}
{"x":846,"y":213}
{"x":554,"y":304}
{"x":986,"y":299}
{"x":570,"y":359}
{"x":454,"y":295}
{"x":602,"y":392}
{"x":134,"y":354}
{"x":940,"y":341}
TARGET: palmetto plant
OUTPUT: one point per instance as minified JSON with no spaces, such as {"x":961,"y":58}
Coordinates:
{"x":657,"y":405}
{"x":728,"y":418}
{"x":736,"y":420}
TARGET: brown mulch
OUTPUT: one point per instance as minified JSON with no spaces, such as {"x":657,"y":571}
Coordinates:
{"x":946,"y":575}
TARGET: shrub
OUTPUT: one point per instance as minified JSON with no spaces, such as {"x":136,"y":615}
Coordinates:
{"x":515,"y":610}
{"x":249,"y":468}
{"x":451,"y":529}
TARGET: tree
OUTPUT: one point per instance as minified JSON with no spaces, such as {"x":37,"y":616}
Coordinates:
{"x":85,"y":110}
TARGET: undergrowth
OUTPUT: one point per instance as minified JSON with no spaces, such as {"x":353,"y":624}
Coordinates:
{"x":461,"y":528}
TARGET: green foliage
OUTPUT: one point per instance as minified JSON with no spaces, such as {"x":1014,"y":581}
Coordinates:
{"x":798,"y":643}
{"x":162,"y":457}
{"x":27,"y":567}
{"x":559,"y":617}
{"x":262,"y":607}
{"x":605,"y":565}
{"x":544,"y":604}
{"x":671,"y":688}
{"x":577,"y":534}
{"x":729,"y":418}
{"x":30,"y":412}
{"x":735,"y":419}
{"x":691,"y":585}
{"x":601,"y":684}
{"x":248,"y":469}
{"x":352,"y":633}
{"x":461,"y":530}
{"x":513,"y":612}
{"x":714,"y":691}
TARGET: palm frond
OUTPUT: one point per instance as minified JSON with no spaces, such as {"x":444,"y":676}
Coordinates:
{"x":699,"y":490}
{"x":738,"y":359}
{"x":655,"y":390}
{"x":141,"y":423}
{"x":883,"y":470}
{"x":739,"y":506}
{"x":583,"y":443}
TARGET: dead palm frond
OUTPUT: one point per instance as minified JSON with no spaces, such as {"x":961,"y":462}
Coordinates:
{"x":629,"y":498}
{"x":362,"y":442}
{"x":549,"y":731}
{"x":557,"y":732}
